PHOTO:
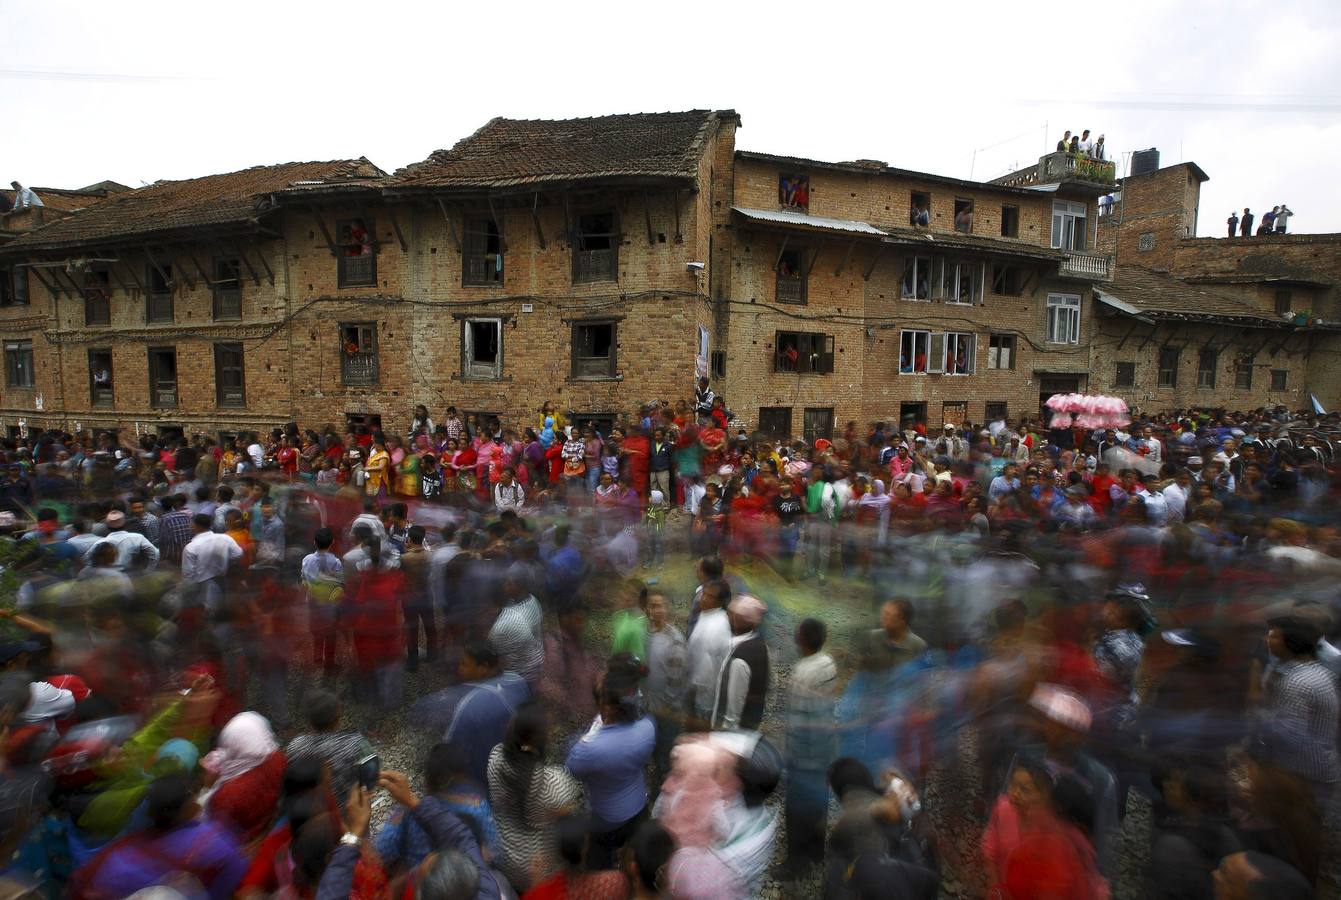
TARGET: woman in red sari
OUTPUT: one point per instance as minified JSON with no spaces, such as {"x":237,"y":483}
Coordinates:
{"x":248,"y":771}
{"x":374,"y":615}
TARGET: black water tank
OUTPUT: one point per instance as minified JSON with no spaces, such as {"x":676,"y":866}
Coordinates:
{"x":1144,"y":161}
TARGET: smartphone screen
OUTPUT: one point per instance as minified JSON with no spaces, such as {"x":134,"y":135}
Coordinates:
{"x":370,"y":768}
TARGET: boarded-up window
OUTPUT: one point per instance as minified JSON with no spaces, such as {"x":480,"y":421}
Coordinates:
{"x":596,"y":248}
{"x":818,"y":423}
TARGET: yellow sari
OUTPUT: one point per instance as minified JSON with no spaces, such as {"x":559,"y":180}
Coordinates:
{"x":376,"y":471}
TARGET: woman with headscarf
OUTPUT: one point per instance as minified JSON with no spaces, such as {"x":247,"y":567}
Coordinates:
{"x":873,"y":510}
{"x":247,"y":768}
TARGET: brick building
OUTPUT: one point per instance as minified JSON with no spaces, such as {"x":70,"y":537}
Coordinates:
{"x":599,"y":263}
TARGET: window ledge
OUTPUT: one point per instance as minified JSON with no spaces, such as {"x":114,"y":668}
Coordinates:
{"x":20,"y":387}
{"x":577,"y":378}
{"x":483,"y":378}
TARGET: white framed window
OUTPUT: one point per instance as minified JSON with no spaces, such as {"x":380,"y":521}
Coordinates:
{"x":482,"y":348}
{"x":1063,"y":318}
{"x":963,"y":281}
{"x":960,"y":349}
{"x":913,"y":352}
{"x":916,"y":278}
{"x":1068,"y":225}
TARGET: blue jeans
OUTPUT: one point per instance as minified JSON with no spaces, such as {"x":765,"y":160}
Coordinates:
{"x":593,"y":477}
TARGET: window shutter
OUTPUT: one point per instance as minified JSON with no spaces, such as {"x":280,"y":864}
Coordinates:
{"x":467,"y":346}
{"x":937,"y":277}
{"x":972,"y":354}
{"x":777,"y":351}
{"x":980,"y":284}
{"x":826,"y":356}
{"x":614,"y":349}
{"x":936,"y":353}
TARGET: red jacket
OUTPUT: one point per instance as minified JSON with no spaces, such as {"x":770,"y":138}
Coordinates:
{"x":375,"y":617}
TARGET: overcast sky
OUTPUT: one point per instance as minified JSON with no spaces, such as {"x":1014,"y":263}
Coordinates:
{"x":139,"y":91}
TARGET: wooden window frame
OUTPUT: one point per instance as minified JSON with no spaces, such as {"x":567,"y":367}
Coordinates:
{"x":343,"y":277}
{"x":611,"y":370}
{"x":814,"y":433}
{"x":158,"y":295}
{"x":913,"y":197}
{"x":1010,"y":220}
{"x":778,"y":411}
{"x":802,"y":282}
{"x":155,"y":354}
{"x":1284,"y":301}
{"x":1243,"y":366}
{"x":1207,"y":375}
{"x":472,"y":370}
{"x":96,"y":396}
{"x":224,"y":299}
{"x":1168,"y":374}
{"x":579,"y":240}
{"x":475,"y":239}
{"x":814,"y":353}
{"x":783,"y":178}
{"x":1280,"y":379}
{"x":963,"y":204}
{"x":348,"y":376}
{"x":1119,"y":368}
{"x":220,"y":392}
{"x":17,"y":376}
{"x":97,"y":294}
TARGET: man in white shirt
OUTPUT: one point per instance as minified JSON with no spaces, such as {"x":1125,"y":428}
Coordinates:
{"x":132,"y":548}
{"x":743,"y":680}
{"x":256,"y":453}
{"x":508,"y":493}
{"x":206,"y":559}
{"x":1283,"y":218}
{"x":1176,"y":494}
{"x":1086,"y":145}
{"x":1156,"y":507}
{"x":24,"y":197}
{"x":708,"y":647}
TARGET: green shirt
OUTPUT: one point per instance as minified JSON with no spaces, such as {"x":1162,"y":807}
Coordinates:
{"x":630,"y":633}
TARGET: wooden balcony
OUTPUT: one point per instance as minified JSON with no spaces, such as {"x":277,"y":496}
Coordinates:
{"x":359,"y":368}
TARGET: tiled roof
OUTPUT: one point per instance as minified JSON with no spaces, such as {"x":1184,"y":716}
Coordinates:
{"x":228,"y":199}
{"x":515,"y":152}
{"x":59,"y":199}
{"x":1162,"y":296}
{"x":873,"y":167}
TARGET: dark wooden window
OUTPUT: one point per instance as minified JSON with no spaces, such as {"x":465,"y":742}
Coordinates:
{"x":996,"y":410}
{"x":101,"y":388}
{"x":227,"y":289}
{"x":162,"y":377}
{"x":97,"y":297}
{"x":229,"y":375}
{"x":963,"y":215}
{"x":1000,"y":351}
{"x":370,"y":422}
{"x":1010,"y":221}
{"x":919,"y":209}
{"x":792,"y":276}
{"x":1168,"y":367}
{"x":776,"y":422}
{"x":158,"y":293}
{"x":719,"y":364}
{"x":596,"y":248}
{"x":1279,"y":377}
{"x":803,"y":352}
{"x":19,"y":364}
{"x":1008,"y":280}
{"x":595,"y":349}
{"x":1243,"y":373}
{"x":1284,"y":302}
{"x":818,"y":423}
{"x":1125,"y":376}
{"x":482,"y":348}
{"x":356,"y":246}
{"x":482,"y":252}
{"x":794,"y":192}
{"x":1206,"y":363}
{"x":14,"y":286}
{"x":358,"y":353}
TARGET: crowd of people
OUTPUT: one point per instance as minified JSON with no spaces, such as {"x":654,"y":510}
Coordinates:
{"x":1276,"y":221}
{"x":1080,"y":146}
{"x":206,"y":641}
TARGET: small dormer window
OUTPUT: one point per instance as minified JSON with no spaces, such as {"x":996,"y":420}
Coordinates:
{"x":794,"y":192}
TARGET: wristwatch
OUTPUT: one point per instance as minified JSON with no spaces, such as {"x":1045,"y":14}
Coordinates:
{"x":349,"y":838}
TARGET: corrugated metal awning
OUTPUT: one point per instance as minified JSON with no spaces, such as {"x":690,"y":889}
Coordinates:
{"x":787,"y":217}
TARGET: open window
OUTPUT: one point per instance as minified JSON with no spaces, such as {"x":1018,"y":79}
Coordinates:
{"x":1007,"y":280}
{"x":963,"y":215}
{"x":356,"y":246}
{"x":916,"y":278}
{"x":913,"y":352}
{"x":163,"y":377}
{"x":960,"y":352}
{"x":791,"y":276}
{"x":596,"y":248}
{"x":158,"y":293}
{"x":482,"y":253}
{"x":358,"y":353}
{"x":227,"y":289}
{"x":1063,"y":319}
{"x":14,"y":286}
{"x":19,"y":364}
{"x":229,"y":375}
{"x":1068,"y":225}
{"x":101,"y":390}
{"x":1001,"y":351}
{"x":97,"y":297}
{"x":595,"y":349}
{"x":963,"y":281}
{"x":775,"y":422}
{"x":794,"y":192}
{"x":482,"y":348}
{"x":919,"y":210}
{"x":803,"y":352}
{"x":1010,"y":221}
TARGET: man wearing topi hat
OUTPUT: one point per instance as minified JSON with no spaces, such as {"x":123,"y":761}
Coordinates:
{"x":742,"y":682}
{"x":133,"y":550}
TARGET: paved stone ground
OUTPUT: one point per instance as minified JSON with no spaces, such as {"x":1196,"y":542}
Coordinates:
{"x":953,"y":794}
